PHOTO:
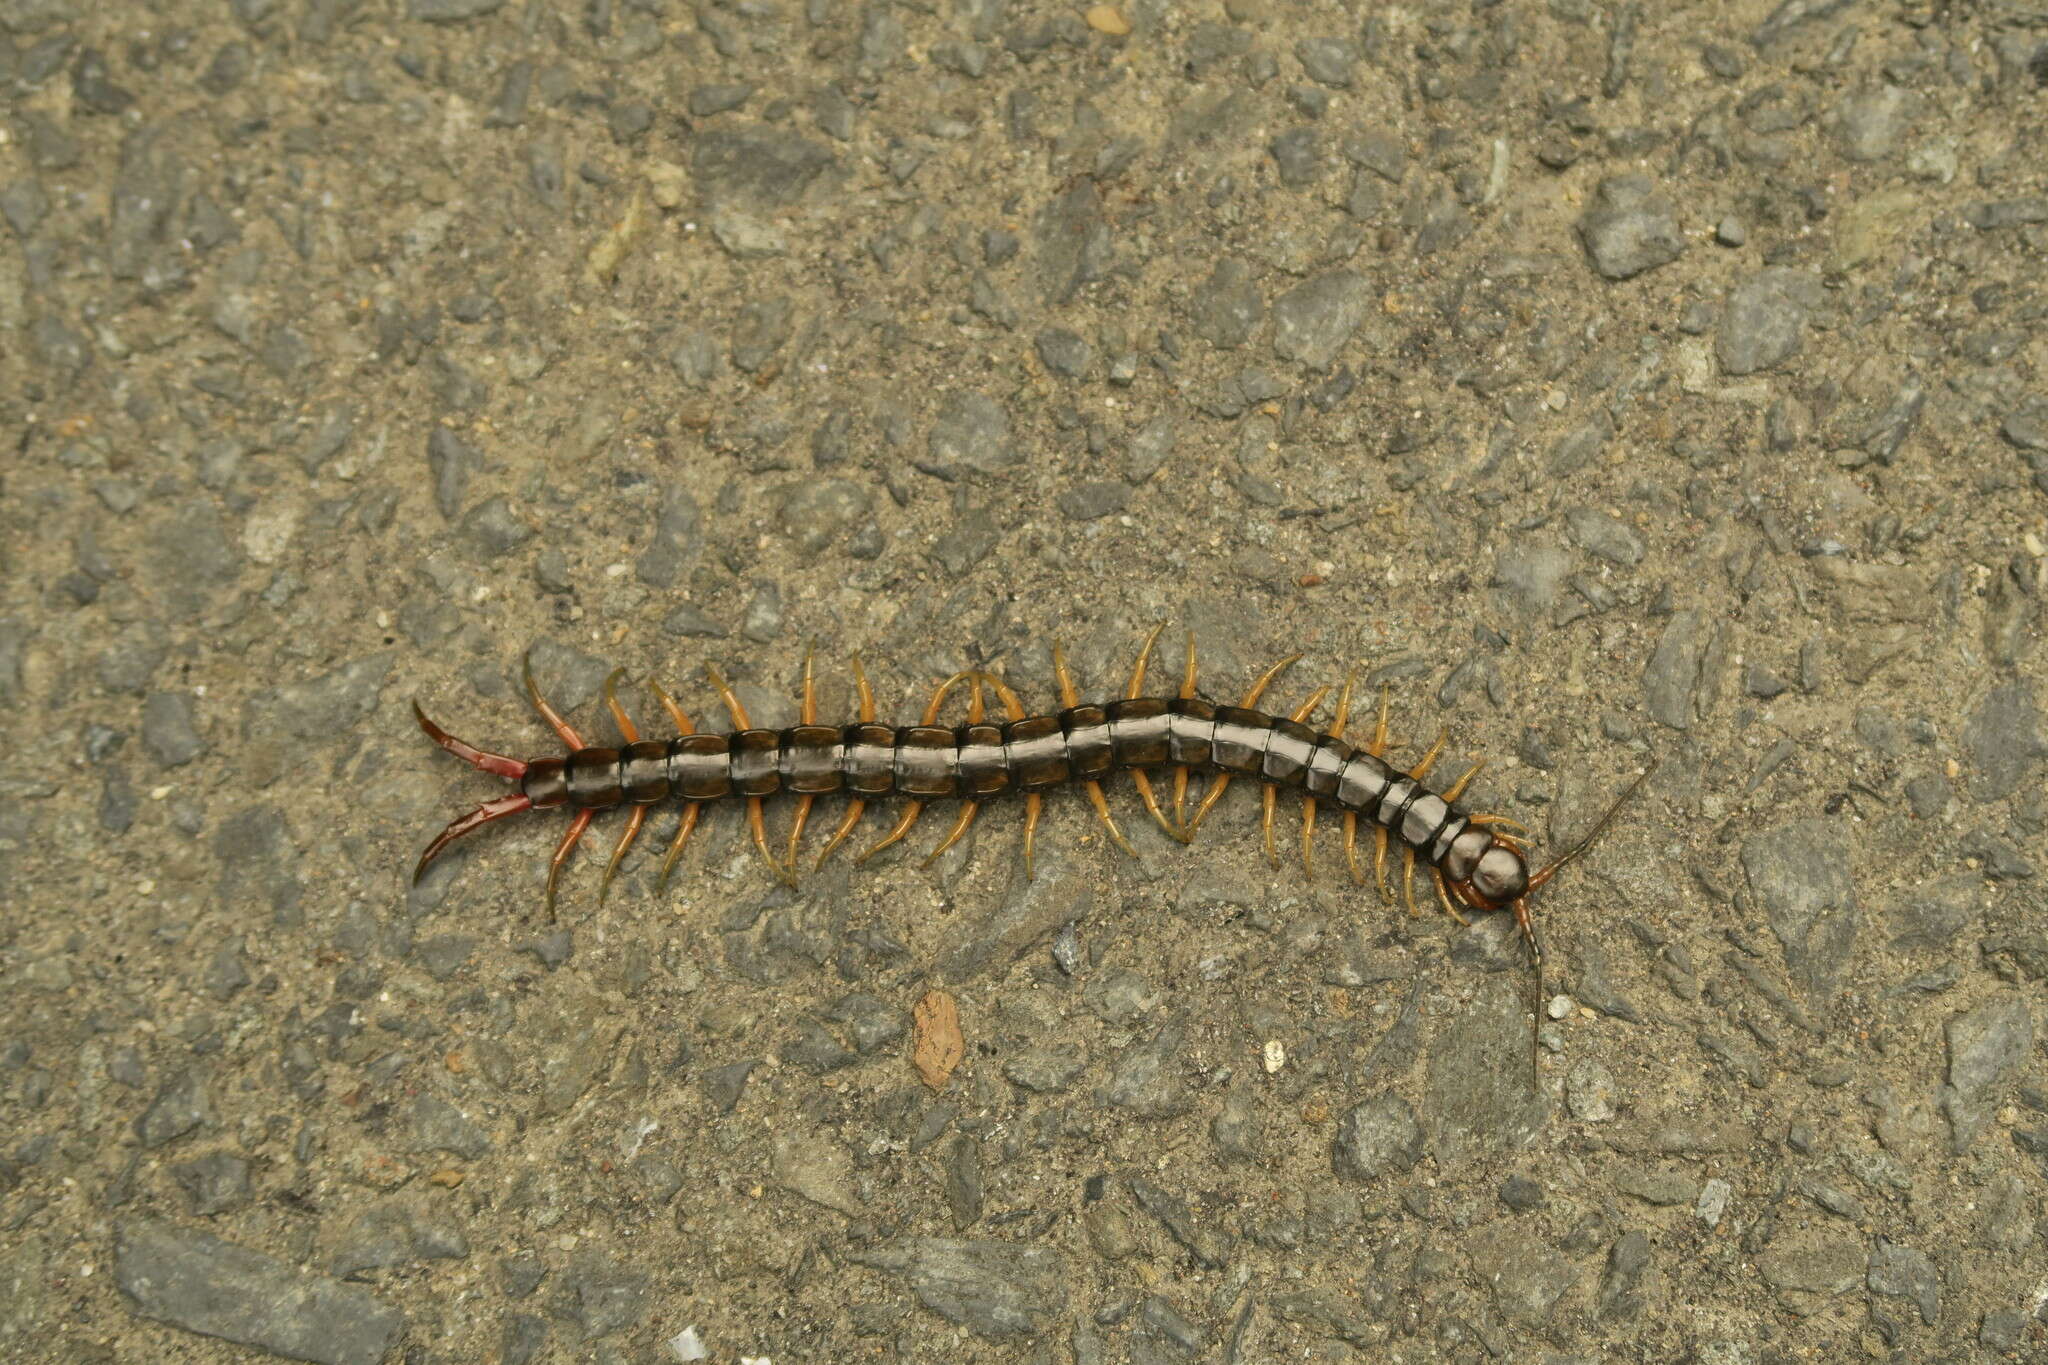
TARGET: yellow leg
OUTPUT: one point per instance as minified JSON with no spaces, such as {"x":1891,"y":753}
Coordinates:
{"x":756,"y":820}
{"x":1033,"y":803}
{"x":846,"y":824}
{"x":1379,"y":860}
{"x":1221,"y":782}
{"x":569,"y":838}
{"x":1457,"y":789}
{"x":1443,"y":893}
{"x":1408,"y":879}
{"x":626,"y":837}
{"x":1351,"y":847}
{"x":1421,"y":770}
{"x":1502,"y":822}
{"x":548,"y":713}
{"x":1139,"y":776}
{"x":675,"y":849}
{"x":1096,"y":796}
{"x":968,"y":810}
{"x":909,"y":818}
{"x":1271,"y":794}
{"x":1180,"y":771}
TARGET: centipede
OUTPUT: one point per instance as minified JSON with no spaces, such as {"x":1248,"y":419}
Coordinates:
{"x":1478,"y":861}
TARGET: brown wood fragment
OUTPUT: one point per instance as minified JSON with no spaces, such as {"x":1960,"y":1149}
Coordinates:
{"x":936,"y":1044}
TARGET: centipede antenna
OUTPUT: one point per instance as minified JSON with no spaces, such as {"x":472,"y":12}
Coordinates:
{"x":1601,"y":828}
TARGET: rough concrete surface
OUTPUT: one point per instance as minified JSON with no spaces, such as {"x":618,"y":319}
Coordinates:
{"x":1615,"y":381}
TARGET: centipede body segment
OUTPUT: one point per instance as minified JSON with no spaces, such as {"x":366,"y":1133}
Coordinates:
{"x":1473,"y":858}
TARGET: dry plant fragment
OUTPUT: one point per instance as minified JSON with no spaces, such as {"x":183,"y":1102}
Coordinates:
{"x":936,"y":1044}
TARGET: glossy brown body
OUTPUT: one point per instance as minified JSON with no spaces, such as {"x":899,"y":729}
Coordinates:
{"x":979,"y":761}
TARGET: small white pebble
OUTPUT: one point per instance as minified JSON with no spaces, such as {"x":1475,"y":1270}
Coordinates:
{"x":1559,"y":1007}
{"x":686,"y":1345}
{"x":1276,"y":1056}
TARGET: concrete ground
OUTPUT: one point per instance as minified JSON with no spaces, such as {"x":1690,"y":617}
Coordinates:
{"x":1619,"y":382}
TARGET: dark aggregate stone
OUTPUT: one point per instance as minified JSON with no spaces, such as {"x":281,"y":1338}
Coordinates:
{"x":997,"y":1290}
{"x":1065,"y":353}
{"x":204,"y":1285}
{"x":707,"y":100}
{"x":494,"y":528}
{"x":1029,"y":914}
{"x":1873,"y":121}
{"x":723,"y":1085}
{"x":1478,"y":1097}
{"x":1093,"y":501}
{"x":1932,"y":914}
{"x":1902,"y":1272}
{"x":1149,"y":1079}
{"x":1046,"y":1070}
{"x":1074,"y":248}
{"x":434,"y":1125}
{"x":600,"y":1296}
{"x":763,"y":328}
{"x":399,"y":1232}
{"x":963,"y":1181}
{"x":322,"y":707}
{"x":816,"y":1050}
{"x":131,"y":661}
{"x":2003,"y":737}
{"x":181,"y":1107}
{"x":1630,"y":228}
{"x":214,"y":1183}
{"x":1987,"y":1047}
{"x":1581,"y":446}
{"x":1799,"y":873}
{"x":1228,"y":307}
{"x":1328,"y":60}
{"x":972,"y":434}
{"x":187,"y":559}
{"x":757,"y":168}
{"x":817,"y":513}
{"x":1298,"y":153}
{"x":1671,"y":679}
{"x":1764,"y":324}
{"x":1313,"y":321}
{"x":1150,"y":447}
{"x":1608,"y":537}
{"x":676,"y":542}
{"x":1378,"y":1137}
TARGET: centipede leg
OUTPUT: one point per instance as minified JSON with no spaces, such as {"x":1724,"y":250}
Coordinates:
{"x":547,"y":713}
{"x":496,"y":764}
{"x":626,"y":837}
{"x":1457,"y":789}
{"x":1379,"y":861}
{"x":1139,"y":776}
{"x":1033,"y":803}
{"x":1421,"y":770}
{"x":1096,"y":796}
{"x":1443,"y":893}
{"x":1308,"y":803}
{"x":968,"y":810}
{"x":756,"y":819}
{"x":1408,"y":879}
{"x":1221,"y":782}
{"x":1351,"y":847}
{"x":1180,"y":770}
{"x":562,"y":850}
{"x":909,"y":818}
{"x":684,"y":826}
{"x":476,"y":819}
{"x":855,"y":807}
{"x":807,"y":715}
{"x":1271,"y":793}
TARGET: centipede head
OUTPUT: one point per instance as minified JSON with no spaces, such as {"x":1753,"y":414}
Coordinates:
{"x":498,"y":765}
{"x":1499,"y":879}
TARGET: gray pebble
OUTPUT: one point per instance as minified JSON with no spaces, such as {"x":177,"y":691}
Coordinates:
{"x":187,"y":559}
{"x":1608,"y":537}
{"x":2003,"y":737}
{"x":996,"y":1289}
{"x":1091,"y":501}
{"x":1149,"y":1080}
{"x":818,"y":512}
{"x":1987,"y":1048}
{"x":214,"y":1183}
{"x":1328,"y":60}
{"x":323,"y":707}
{"x":690,"y":623}
{"x":1378,"y":1137}
{"x":494,"y":529}
{"x":972,"y":432}
{"x":1531,"y":576}
{"x":1581,"y":446}
{"x":1298,"y":154}
{"x":1764,"y":323}
{"x":757,"y":168}
{"x":217,"y":1289}
{"x":1313,"y":321}
{"x":1073,"y":240}
{"x":1629,"y":228}
{"x":1813,"y":1263}
{"x":816,"y":1050}
{"x":1872,"y":122}
{"x":723,"y":1085}
{"x":1590,"y":1091}
{"x":1731,"y":232}
{"x":762,"y":621}
{"x":1901,"y":1272}
{"x":707,"y":100}
{"x":1799,"y":874}
{"x":967,"y":542}
{"x":599,"y":1295}
{"x":764,"y":326}
{"x":132,"y":659}
{"x":451,"y":460}
{"x":432,"y":1124}
{"x":1065,"y":353}
{"x":179,"y":1108}
{"x":697,"y":358}
{"x":871,"y":1023}
{"x":1228,"y":307}
{"x":2005,"y":213}
{"x":1672,"y":676}
{"x":676,"y":541}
